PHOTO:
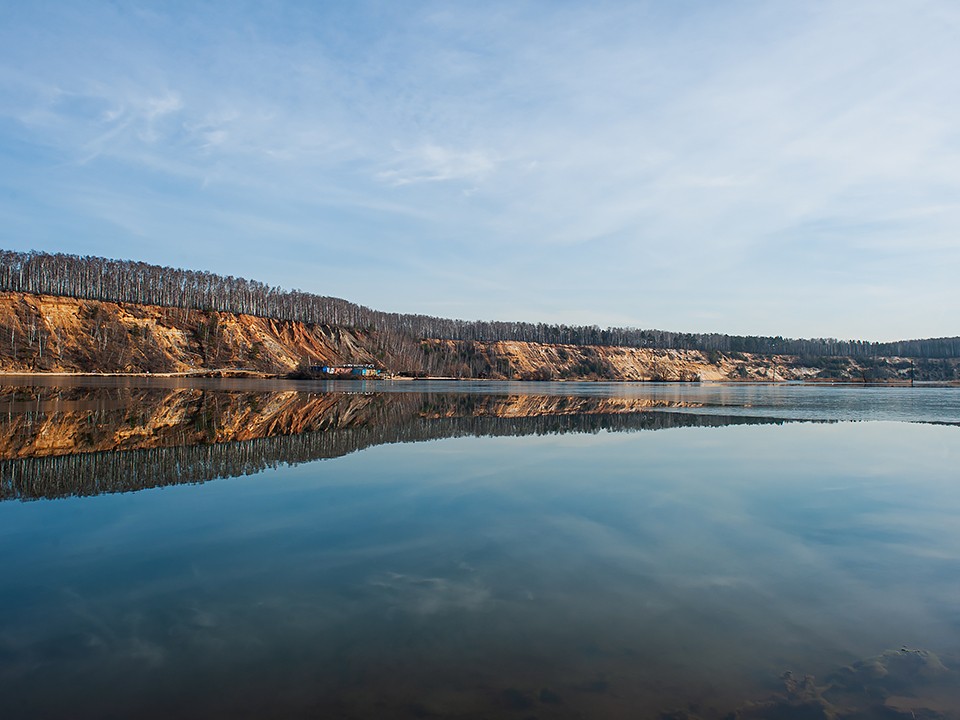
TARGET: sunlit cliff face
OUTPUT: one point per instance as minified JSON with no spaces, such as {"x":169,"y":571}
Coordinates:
{"x":40,"y":333}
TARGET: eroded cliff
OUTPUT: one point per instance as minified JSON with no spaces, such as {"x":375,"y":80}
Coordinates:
{"x":41,"y":333}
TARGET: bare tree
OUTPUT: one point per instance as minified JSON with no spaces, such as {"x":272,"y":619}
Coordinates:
{"x":122,"y":281}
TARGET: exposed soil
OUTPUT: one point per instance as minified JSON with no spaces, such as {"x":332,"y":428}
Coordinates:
{"x":41,"y":333}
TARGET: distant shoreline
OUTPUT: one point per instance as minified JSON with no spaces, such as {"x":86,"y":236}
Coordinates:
{"x":228,"y":374}
{"x":56,"y":334}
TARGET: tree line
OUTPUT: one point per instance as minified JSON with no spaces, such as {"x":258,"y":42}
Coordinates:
{"x":123,"y":281}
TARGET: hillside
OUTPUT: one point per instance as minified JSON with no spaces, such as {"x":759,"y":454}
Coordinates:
{"x":126,"y":281}
{"x":43,"y":333}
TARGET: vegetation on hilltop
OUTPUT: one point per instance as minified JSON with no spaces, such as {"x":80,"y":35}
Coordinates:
{"x":123,"y":281}
{"x":47,"y":333}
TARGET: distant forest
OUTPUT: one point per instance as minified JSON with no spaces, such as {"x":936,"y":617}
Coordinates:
{"x":123,"y":281}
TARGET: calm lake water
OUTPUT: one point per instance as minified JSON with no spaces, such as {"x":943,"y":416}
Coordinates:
{"x":225,"y":549}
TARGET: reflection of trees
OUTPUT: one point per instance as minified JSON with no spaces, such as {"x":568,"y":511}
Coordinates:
{"x":37,"y":421}
{"x":94,"y":473}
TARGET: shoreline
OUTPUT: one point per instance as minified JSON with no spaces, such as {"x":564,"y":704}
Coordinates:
{"x":228,"y":374}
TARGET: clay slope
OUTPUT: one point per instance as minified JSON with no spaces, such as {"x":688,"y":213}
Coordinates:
{"x":40,"y":333}
{"x":58,"y":334}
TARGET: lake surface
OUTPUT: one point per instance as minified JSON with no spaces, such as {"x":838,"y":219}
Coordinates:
{"x":234,"y":549}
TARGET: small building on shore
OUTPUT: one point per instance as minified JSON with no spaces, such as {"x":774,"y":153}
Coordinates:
{"x":351,"y":370}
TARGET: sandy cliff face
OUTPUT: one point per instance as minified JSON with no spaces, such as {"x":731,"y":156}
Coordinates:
{"x":40,"y":333}
{"x":56,"y":334}
{"x":534,"y":361}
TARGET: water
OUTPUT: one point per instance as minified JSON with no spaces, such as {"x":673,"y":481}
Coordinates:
{"x":221,"y":549}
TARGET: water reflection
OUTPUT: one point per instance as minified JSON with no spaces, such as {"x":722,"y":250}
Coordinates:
{"x":63,"y":441}
{"x":554,"y":567}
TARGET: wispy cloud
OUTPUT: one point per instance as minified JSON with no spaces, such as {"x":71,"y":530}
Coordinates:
{"x":431,"y":595}
{"x":432,"y":163}
{"x":585,"y":160}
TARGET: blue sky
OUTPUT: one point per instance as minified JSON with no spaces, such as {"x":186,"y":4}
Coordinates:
{"x":746,"y":167}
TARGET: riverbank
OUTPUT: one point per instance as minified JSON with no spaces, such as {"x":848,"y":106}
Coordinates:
{"x":47,"y":334}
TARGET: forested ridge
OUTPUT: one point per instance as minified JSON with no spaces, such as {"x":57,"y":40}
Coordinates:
{"x":122,"y":281}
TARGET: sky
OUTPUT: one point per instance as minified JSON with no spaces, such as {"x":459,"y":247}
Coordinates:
{"x":773,"y":168}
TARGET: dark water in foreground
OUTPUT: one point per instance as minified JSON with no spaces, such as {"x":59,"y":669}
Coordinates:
{"x":559,"y":551}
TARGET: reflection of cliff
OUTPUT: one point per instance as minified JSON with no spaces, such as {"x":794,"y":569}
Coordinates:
{"x":103,"y":472}
{"x":64,"y":442}
{"x":55,"y":421}
{"x":48,"y":421}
